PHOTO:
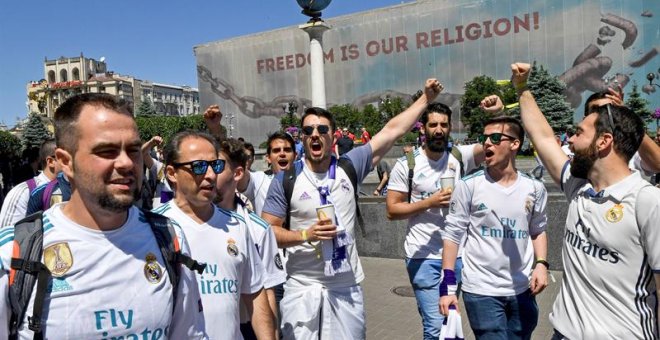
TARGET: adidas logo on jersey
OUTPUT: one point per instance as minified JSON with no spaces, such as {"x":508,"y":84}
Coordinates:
{"x":304,"y":196}
{"x":482,"y":207}
{"x":421,"y":177}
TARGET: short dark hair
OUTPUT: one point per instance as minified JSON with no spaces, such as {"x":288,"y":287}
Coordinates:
{"x":46,"y":150}
{"x":249,"y":146}
{"x":171,"y":152}
{"x":593,"y":97}
{"x":321,"y":112}
{"x":511,"y":123}
{"x":235,"y":150}
{"x":280,"y":135}
{"x":67,"y":114}
{"x":436,"y":108}
{"x":628,"y":128}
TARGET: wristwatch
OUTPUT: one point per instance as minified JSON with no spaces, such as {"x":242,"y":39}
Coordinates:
{"x":543,"y":262}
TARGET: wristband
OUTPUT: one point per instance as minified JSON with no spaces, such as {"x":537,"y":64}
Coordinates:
{"x":448,"y":285}
{"x":543,"y":262}
{"x":304,"y":235}
{"x":521,"y":87}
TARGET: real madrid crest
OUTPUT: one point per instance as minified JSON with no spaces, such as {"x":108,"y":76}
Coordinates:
{"x":152,"y":270}
{"x":58,"y":258}
{"x":615,"y":214}
{"x":232,"y":249}
{"x":529,"y":205}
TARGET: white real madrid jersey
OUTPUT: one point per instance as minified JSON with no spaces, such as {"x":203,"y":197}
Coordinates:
{"x":499,"y":222}
{"x":611,"y":256}
{"x":233,"y":266}
{"x":107,"y":284}
{"x":423,"y":238}
{"x":258,"y":189}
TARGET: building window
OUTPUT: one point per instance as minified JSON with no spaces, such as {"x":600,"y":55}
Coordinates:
{"x":63,"y":76}
{"x":51,"y":76}
{"x":102,"y":89}
{"x":75,"y":74}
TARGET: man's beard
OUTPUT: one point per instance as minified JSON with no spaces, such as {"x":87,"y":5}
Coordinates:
{"x":583,"y":161}
{"x":111,"y":203}
{"x":437,"y":145}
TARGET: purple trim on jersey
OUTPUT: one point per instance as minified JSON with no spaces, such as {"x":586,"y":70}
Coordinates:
{"x":561,"y":178}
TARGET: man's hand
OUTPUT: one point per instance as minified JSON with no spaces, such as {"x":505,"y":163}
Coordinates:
{"x":440,"y":199}
{"x":322,"y":230}
{"x":446,"y":301}
{"x":539,"y":279}
{"x":492,"y":104}
{"x":432,"y":89}
{"x":155,"y":141}
{"x":212,"y":116}
{"x":376,"y":193}
{"x":519,"y":75}
{"x":615,"y":94}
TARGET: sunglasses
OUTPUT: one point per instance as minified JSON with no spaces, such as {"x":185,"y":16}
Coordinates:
{"x":495,"y":138}
{"x":609,"y":118}
{"x":308,"y":130}
{"x":199,"y":167}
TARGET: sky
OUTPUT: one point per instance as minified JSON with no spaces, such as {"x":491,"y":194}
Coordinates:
{"x":147,"y":39}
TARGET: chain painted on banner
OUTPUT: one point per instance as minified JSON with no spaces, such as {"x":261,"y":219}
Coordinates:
{"x":250,"y":106}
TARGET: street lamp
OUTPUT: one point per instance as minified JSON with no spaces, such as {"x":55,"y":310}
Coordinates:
{"x":651,"y":76}
{"x":231,"y":126}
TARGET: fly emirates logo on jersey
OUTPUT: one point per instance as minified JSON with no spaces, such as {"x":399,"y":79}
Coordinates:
{"x":580,"y":240}
{"x":210,"y":283}
{"x":506,"y":229}
{"x":114,"y":321}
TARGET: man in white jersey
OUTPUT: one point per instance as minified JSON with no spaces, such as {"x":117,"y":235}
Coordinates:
{"x":216,"y":236}
{"x":280,"y":154}
{"x":610,"y":254}
{"x":322,"y":296}
{"x":502,"y":211}
{"x":233,"y":153}
{"x":99,"y":244}
{"x":425,"y":209}
{"x":15,"y":204}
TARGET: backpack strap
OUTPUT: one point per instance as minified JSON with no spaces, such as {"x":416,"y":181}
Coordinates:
{"x":47,"y":194}
{"x":411,"y":172}
{"x":349,"y":169}
{"x":32,"y":184}
{"x":26,"y":269}
{"x":288,"y":182}
{"x":170,"y":249}
{"x":456,"y":152}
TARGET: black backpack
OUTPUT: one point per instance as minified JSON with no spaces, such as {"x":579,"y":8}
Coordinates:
{"x":27,"y":269}
{"x":289,"y":180}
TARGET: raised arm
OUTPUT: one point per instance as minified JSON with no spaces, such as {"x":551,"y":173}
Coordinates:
{"x":146,"y":150}
{"x":212,"y":118}
{"x":650,"y":154}
{"x":382,"y":142}
{"x":536,"y":125}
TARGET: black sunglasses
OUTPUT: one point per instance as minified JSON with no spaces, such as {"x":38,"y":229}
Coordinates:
{"x":609,"y":118}
{"x":199,"y":167}
{"x":308,"y":130}
{"x":495,"y":138}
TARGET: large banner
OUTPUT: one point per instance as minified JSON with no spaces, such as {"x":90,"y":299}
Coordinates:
{"x":391,"y":51}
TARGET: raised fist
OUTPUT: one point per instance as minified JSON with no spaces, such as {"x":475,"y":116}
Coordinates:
{"x":492,"y":104}
{"x":432,"y":89}
{"x":519,"y":74}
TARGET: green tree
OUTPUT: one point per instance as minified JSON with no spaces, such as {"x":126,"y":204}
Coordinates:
{"x":167,"y":126}
{"x":638,"y":104}
{"x":290,"y":117}
{"x":472,"y":116}
{"x":548,"y":91}
{"x":10,"y":145}
{"x":146,"y":108}
{"x":35,"y":132}
{"x":346,"y":116}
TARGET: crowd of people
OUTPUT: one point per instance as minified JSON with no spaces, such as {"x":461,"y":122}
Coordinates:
{"x":181,"y":239}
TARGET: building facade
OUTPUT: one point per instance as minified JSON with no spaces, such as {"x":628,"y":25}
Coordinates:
{"x":64,"y":77}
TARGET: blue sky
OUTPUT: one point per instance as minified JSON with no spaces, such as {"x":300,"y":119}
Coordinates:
{"x":148,"y":39}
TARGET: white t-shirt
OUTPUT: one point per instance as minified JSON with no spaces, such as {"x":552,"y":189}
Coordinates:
{"x":15,"y":204}
{"x":158,"y":171}
{"x":303,"y":264}
{"x":257,"y":189}
{"x":233,"y":266}
{"x":610,"y":254}
{"x":101,"y":287}
{"x":499,"y":222}
{"x":423,"y":238}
